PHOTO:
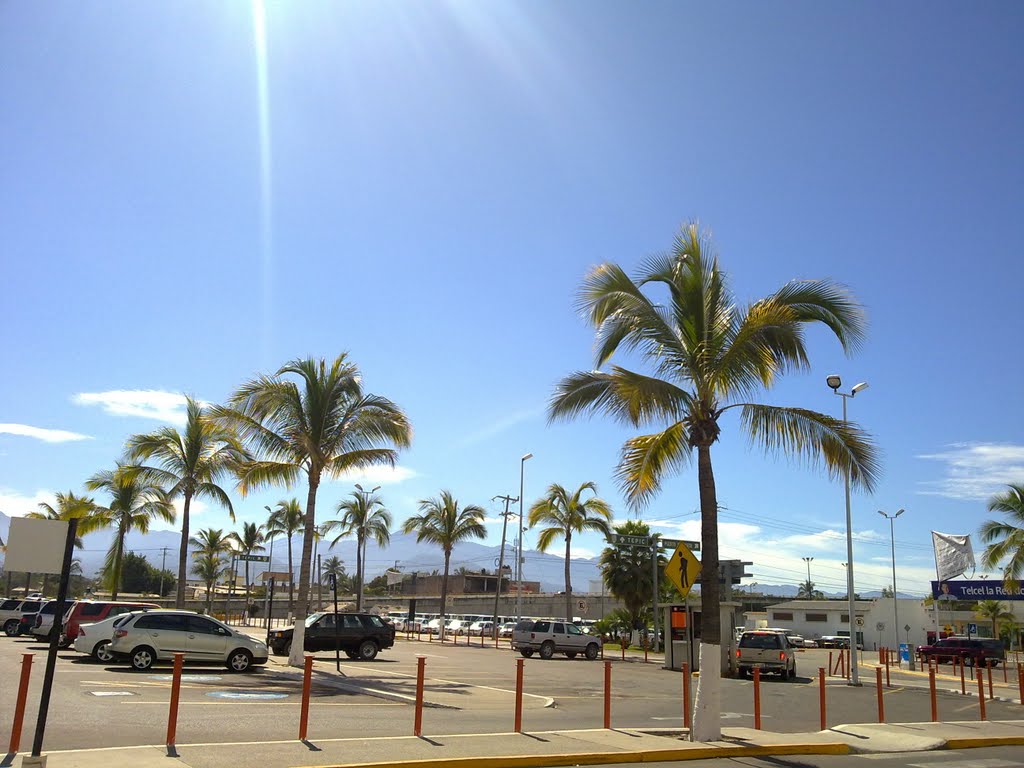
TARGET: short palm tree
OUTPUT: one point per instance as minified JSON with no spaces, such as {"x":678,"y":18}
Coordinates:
{"x":287,"y":520}
{"x":708,"y":354}
{"x":994,"y":611}
{"x":322,"y":425}
{"x":808,"y":591}
{"x":189,"y":464}
{"x":627,"y":572}
{"x":334,"y":566}
{"x":441,"y":521}
{"x":248,"y":542}
{"x":567,"y":513}
{"x":364,"y":517}
{"x":209,"y":567}
{"x":1005,"y":540}
{"x":134,"y":503}
{"x":69,"y":506}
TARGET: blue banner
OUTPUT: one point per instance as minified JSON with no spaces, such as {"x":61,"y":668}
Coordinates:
{"x":978,"y":589}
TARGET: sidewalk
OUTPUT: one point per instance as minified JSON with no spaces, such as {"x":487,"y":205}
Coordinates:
{"x":553,"y":748}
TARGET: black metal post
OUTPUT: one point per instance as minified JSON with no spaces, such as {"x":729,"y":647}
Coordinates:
{"x":270,"y":608}
{"x":51,"y":654}
{"x":337,"y":641}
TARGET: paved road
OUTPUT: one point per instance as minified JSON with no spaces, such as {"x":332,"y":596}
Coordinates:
{"x":986,"y":757}
{"x":99,"y":705}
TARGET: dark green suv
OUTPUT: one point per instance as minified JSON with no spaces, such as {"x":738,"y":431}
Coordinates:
{"x":357,"y":635}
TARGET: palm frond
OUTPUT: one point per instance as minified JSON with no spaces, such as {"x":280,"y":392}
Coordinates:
{"x":628,"y":397}
{"x":647,"y":458}
{"x":822,"y":301}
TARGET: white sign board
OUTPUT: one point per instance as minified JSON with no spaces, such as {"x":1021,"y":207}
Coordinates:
{"x":35,"y":546}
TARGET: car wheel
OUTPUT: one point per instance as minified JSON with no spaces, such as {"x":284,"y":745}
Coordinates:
{"x":64,"y":642}
{"x":277,"y":650}
{"x":592,"y":651}
{"x":102,"y":652}
{"x":367,"y":650}
{"x":143,"y":658}
{"x":11,"y":628}
{"x":526,"y":652}
{"x":240,"y":660}
{"x":352,"y":654}
{"x":287,"y":649}
{"x":547,"y":650}
{"x":968,"y":661}
{"x":792,"y":673}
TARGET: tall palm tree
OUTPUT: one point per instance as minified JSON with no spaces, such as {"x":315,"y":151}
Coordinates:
{"x":1005,"y":540}
{"x":708,"y":354}
{"x":565,"y":514}
{"x":209,"y":567}
{"x":365,"y":517}
{"x":334,"y":566}
{"x":807,"y":591}
{"x":287,"y":520}
{"x":134,"y":503}
{"x":324,"y":424}
{"x":627,"y":572}
{"x":250,"y":540}
{"x":994,"y":611}
{"x":69,"y":506}
{"x":189,"y":464}
{"x":442,"y":522}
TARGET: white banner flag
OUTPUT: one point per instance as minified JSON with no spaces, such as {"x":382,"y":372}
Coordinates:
{"x":394,"y":577}
{"x":953,"y":555}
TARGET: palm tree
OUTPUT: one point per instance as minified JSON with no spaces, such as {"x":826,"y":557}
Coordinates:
{"x":190,"y":464}
{"x":69,"y":506}
{"x":287,"y":520}
{"x":807,"y":591}
{"x":134,"y":503}
{"x":323,"y":425}
{"x":708,"y":355}
{"x":1005,"y":540}
{"x":442,"y":522}
{"x":627,"y":572}
{"x":364,"y":516}
{"x":250,"y":540}
{"x":566,"y":514}
{"x":334,"y":566}
{"x":994,"y":611}
{"x":209,"y":567}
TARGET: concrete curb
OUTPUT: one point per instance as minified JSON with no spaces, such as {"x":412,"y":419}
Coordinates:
{"x":982,"y":741}
{"x":606,"y":758}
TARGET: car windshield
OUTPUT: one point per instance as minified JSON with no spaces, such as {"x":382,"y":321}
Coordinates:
{"x":312,"y":618}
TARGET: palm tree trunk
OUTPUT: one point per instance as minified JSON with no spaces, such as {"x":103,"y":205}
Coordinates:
{"x":28,"y":583}
{"x":46,"y":584}
{"x":179,"y":594}
{"x":444,"y":589}
{"x":359,"y":572}
{"x":118,"y":554}
{"x":307,"y":543}
{"x":707,"y":724}
{"x":568,"y":580}
{"x":291,"y":578}
{"x":9,"y":575}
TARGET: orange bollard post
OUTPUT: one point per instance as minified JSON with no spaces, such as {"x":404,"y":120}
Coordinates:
{"x":1005,"y":665}
{"x":990,"y":696}
{"x":981,"y":697}
{"x":878,"y":687}
{"x":417,"y":725}
{"x":821,"y":697}
{"x":519,"y":696}
{"x":963,"y":681}
{"x":757,"y":699}
{"x":607,"y":694}
{"x":1020,"y":681}
{"x":623,"y":644}
{"x":931,"y":693}
{"x":172,"y":714}
{"x":645,"y":649}
{"x":830,"y":670}
{"x":887,"y":683}
{"x":686,"y":695}
{"x":19,"y":707}
{"x":307,"y":683}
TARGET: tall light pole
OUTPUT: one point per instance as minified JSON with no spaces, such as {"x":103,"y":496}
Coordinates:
{"x":835,"y":383}
{"x":519,"y":549}
{"x":808,"y":560}
{"x":895,"y":608}
{"x":270,"y":561}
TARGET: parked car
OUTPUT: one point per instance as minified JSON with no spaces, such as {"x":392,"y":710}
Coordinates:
{"x":506,"y":629}
{"x":834,"y":641}
{"x":155,"y":636}
{"x":547,"y":638}
{"x":358,"y":635}
{"x":94,"y":611}
{"x":766,"y":650}
{"x":481,"y":628}
{"x":12,"y":612}
{"x":797,"y":641}
{"x":971,"y":650}
{"x":43,"y":626}
{"x":94,"y":639}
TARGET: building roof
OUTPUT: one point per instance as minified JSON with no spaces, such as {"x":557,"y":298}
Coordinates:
{"x":821,"y":605}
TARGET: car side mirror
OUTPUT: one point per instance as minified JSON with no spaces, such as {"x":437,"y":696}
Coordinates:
{"x":224,"y":632}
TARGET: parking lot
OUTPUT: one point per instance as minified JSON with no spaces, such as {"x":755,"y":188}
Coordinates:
{"x":472,"y":690}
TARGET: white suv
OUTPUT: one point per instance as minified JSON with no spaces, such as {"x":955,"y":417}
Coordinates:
{"x":157,"y":635}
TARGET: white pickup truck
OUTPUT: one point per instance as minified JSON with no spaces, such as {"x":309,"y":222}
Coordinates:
{"x":547,"y":638}
{"x":766,"y":650}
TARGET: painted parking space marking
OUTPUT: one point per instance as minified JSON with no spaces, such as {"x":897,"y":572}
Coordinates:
{"x":246,"y":695}
{"x":113,"y":693}
{"x":189,"y":678}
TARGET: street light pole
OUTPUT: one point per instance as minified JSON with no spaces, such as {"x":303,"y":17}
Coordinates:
{"x":835,"y":382}
{"x":808,"y":560}
{"x":519,"y":549}
{"x":895,"y":608}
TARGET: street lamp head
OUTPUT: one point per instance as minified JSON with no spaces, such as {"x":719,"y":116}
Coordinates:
{"x":527,"y":456}
{"x":882,"y":513}
{"x":834,"y":381}
{"x":900,"y":512}
{"x":859,"y":388}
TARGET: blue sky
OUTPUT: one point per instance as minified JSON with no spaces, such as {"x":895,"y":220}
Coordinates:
{"x":423,"y":185}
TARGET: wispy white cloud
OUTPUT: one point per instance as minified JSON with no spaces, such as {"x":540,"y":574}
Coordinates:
{"x":581,"y":552}
{"x":382,"y":476}
{"x":503,"y":424}
{"x":40,"y":433}
{"x":14,"y":504}
{"x":976,"y":471}
{"x":154,"y":404}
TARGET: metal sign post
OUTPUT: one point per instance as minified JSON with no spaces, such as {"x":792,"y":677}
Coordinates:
{"x":333,"y":581}
{"x":270,"y":607}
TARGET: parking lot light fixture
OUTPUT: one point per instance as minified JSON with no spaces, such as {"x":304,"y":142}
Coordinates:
{"x":519,"y":549}
{"x":895,"y":607}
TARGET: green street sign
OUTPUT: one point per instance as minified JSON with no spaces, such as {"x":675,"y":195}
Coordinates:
{"x":622,"y":540}
{"x":693,"y":546}
{"x":253,"y":558}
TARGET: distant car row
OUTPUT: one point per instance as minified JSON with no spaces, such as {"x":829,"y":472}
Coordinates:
{"x":473,"y":625}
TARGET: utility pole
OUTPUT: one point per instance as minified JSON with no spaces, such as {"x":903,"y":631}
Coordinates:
{"x":501,"y":557}
{"x":163,"y":565}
